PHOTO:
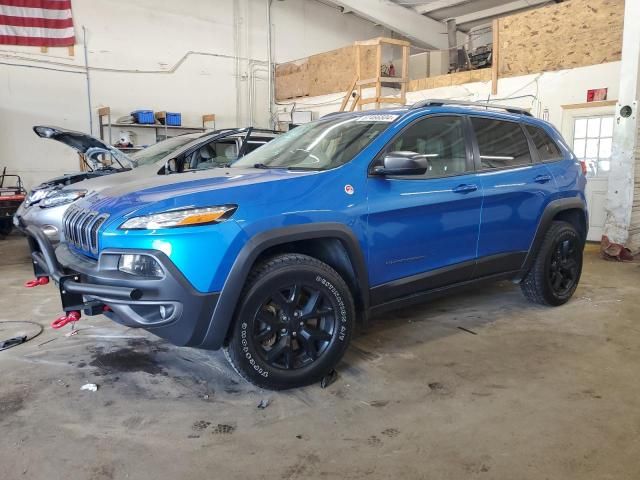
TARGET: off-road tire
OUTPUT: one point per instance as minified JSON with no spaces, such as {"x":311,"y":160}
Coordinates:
{"x":246,"y":354}
{"x":537,"y":286}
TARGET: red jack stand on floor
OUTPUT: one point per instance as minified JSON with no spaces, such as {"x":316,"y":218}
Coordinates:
{"x":37,"y":282}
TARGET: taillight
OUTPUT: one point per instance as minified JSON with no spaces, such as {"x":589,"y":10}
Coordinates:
{"x":583,"y":166}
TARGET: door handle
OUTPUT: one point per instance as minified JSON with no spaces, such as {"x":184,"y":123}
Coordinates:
{"x":542,"y":178}
{"x":465,"y":188}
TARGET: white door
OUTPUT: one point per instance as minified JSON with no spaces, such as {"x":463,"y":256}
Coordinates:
{"x":590,"y":132}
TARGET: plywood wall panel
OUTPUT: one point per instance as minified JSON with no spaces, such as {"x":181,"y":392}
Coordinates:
{"x":458,"y":78}
{"x":328,"y":72}
{"x":571,"y":34}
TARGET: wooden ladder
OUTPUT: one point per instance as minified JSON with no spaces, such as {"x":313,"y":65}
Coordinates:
{"x":351,"y":94}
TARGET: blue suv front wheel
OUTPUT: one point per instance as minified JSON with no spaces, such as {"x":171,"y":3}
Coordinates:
{"x":293,"y":324}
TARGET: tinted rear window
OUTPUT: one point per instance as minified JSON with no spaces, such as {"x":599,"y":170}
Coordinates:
{"x":502,"y":144}
{"x":546,"y":148}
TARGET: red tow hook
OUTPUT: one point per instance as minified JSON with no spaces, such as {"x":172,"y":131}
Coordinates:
{"x":37,"y":282}
{"x":70,"y":317}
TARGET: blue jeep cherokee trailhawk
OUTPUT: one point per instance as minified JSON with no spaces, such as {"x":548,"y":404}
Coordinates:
{"x":275,"y":257}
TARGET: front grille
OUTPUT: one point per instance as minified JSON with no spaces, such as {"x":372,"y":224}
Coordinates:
{"x":81,"y":228}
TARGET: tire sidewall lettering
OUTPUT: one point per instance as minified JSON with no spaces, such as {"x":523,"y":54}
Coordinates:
{"x":247,"y":354}
{"x":342,"y":333}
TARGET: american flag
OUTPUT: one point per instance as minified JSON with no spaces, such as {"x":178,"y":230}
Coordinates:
{"x":40,"y":23}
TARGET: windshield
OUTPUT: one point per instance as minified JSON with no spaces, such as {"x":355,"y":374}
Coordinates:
{"x":159,"y":150}
{"x":319,"y":145}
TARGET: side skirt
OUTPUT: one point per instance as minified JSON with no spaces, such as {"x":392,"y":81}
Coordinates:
{"x":427,"y":295}
{"x":460,"y":273}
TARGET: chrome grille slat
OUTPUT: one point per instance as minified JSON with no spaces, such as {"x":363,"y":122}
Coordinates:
{"x":81,"y":228}
{"x":77,"y":223}
{"x":93,"y":232}
{"x":84,"y":230}
{"x":71,"y":232}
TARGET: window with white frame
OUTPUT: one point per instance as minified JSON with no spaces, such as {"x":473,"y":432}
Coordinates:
{"x":592,"y":140}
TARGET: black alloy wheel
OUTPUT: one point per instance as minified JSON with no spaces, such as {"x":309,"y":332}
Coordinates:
{"x":293,"y":322}
{"x":294,"y":326}
{"x":564,"y":266}
{"x":557,"y":266}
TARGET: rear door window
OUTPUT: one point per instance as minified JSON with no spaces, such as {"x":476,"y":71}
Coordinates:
{"x":502,"y":144}
{"x":546,"y":148}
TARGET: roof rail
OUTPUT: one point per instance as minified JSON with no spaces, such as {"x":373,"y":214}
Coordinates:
{"x":462,"y":103}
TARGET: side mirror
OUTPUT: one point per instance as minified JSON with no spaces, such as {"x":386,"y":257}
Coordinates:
{"x":402,"y":163}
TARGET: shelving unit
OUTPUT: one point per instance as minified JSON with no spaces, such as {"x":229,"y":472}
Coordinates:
{"x":106,"y":125}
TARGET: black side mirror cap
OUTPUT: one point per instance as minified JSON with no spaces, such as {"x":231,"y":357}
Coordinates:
{"x":402,"y":163}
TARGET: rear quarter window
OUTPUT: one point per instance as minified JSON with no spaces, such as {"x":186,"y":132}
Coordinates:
{"x":545,"y":146}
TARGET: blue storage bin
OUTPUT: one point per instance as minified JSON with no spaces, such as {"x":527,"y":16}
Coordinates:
{"x":144,"y":116}
{"x":174,"y":119}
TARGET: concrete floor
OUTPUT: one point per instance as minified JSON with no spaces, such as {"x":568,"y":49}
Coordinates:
{"x":535,"y":393}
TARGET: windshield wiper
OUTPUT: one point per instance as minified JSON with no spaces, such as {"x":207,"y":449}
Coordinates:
{"x":304,"y":169}
{"x":263,"y":166}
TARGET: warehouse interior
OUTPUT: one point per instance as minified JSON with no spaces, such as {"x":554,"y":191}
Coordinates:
{"x":473,"y":383}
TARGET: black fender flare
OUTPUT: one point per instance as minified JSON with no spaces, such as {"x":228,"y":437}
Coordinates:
{"x":230,"y":294}
{"x":551,"y":210}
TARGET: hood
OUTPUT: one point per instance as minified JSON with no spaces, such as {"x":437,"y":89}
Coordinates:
{"x":89,"y":146}
{"x":176,"y":190}
{"x":42,"y":190}
{"x":72,"y":178}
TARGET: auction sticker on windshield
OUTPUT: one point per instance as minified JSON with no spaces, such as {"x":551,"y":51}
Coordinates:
{"x":377,"y":118}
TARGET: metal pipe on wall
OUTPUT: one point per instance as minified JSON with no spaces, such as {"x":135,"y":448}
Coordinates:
{"x":236,"y":52}
{"x":86,"y":64}
{"x":252,"y":89}
{"x":270,"y":63}
{"x":453,"y":41}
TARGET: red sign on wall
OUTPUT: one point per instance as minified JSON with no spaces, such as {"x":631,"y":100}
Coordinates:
{"x":597,"y":94}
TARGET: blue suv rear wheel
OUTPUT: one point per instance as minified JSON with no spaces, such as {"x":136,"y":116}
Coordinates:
{"x":555,"y":273}
{"x":293,"y":324}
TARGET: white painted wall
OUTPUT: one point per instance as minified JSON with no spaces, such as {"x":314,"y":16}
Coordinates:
{"x":139,"y":54}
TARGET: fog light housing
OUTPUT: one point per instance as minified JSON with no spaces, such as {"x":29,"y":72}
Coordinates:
{"x":50,"y":230}
{"x":141,"y":265}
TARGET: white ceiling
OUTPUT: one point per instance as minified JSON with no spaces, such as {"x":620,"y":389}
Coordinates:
{"x":469,"y":13}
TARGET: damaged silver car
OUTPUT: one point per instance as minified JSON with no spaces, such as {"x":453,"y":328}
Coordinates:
{"x":45,"y":204}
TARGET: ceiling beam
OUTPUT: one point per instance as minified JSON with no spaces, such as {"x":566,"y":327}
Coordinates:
{"x":437,"y":5}
{"x":420,"y":30}
{"x":498,"y":11}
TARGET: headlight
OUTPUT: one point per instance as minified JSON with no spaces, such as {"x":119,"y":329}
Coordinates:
{"x":180,"y":218}
{"x":35,"y":196}
{"x":143,"y":265}
{"x":61,"y":197}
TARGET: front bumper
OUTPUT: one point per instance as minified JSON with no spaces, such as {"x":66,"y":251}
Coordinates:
{"x":168,"y":307}
{"x":49,"y":220}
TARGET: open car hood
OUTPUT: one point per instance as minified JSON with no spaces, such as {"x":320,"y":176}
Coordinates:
{"x":91,"y":147}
